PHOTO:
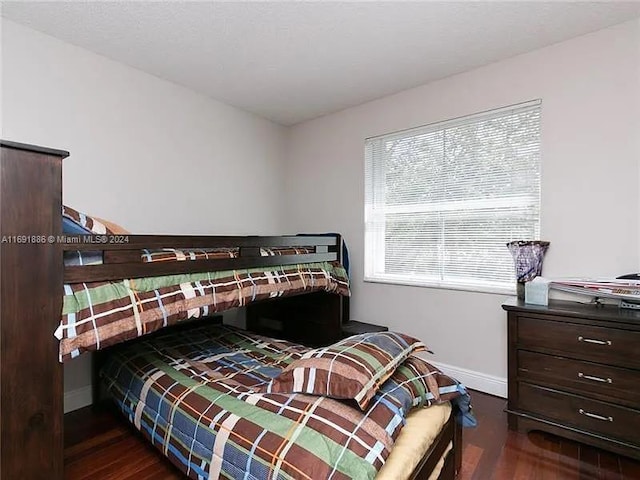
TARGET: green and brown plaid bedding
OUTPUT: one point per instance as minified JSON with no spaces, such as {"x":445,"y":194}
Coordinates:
{"x":195,"y":395}
{"x":100,"y":314}
{"x":176,"y":255}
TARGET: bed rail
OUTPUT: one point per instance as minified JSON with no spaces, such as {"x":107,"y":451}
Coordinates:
{"x":122,"y":254}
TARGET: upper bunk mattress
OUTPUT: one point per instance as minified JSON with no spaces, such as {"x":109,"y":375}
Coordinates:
{"x":194,"y":394}
{"x":100,"y":314}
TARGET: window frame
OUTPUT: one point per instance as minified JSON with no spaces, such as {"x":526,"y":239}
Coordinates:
{"x":374,"y":241}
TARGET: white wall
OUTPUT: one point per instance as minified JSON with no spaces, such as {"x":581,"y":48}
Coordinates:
{"x":590,"y":91}
{"x":145,"y":153}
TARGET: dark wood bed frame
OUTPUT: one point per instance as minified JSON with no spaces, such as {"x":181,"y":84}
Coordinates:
{"x":31,"y":279}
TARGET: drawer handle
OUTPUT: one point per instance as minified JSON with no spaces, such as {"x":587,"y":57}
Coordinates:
{"x":595,"y":379}
{"x":595,"y":415}
{"x":591,"y":340}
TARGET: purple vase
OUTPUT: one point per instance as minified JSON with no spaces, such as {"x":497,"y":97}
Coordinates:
{"x":527,"y":256}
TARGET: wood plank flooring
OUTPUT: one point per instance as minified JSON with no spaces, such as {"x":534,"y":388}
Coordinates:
{"x":103,"y":446}
{"x":491,"y":451}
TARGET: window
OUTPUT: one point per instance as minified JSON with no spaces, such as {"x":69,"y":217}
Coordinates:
{"x":441,"y":201}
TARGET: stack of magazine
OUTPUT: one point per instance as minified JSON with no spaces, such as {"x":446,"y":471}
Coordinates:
{"x":627,"y":291}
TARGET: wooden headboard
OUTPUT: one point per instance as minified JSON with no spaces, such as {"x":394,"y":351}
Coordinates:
{"x":31,"y":289}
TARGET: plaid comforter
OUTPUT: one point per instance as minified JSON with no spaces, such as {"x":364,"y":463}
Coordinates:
{"x":100,"y":314}
{"x":194,"y":395}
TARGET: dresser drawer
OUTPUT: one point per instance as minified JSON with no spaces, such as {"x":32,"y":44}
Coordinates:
{"x":598,"y":344}
{"x":585,"y":414}
{"x":616,"y":383}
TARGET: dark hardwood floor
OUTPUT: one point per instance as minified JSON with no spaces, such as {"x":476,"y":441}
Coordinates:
{"x":491,"y":451}
{"x":97,"y":446}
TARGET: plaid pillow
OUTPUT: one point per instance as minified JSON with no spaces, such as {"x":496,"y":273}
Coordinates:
{"x":91,"y":224}
{"x":417,"y":383}
{"x":423,"y":383}
{"x":353,"y":368}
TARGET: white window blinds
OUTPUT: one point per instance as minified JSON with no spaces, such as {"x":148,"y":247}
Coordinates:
{"x":441,"y":201}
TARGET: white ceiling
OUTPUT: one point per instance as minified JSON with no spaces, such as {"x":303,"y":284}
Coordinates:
{"x":293,"y":61}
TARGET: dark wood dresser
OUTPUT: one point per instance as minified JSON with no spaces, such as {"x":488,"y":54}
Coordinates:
{"x":574,"y":371}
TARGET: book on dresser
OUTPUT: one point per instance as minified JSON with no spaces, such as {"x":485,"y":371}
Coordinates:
{"x":574,"y":371}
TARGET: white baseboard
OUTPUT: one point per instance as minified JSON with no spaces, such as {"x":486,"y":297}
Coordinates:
{"x":79,"y":398}
{"x":476,"y":380}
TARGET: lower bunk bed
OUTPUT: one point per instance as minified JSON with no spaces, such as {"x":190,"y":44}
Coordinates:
{"x":201,"y":397}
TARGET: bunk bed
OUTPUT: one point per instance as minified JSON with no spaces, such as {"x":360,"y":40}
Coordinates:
{"x":32,"y":276}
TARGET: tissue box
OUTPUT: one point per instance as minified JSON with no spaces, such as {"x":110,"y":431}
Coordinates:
{"x":536,"y":292}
